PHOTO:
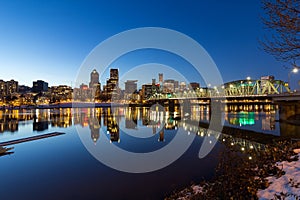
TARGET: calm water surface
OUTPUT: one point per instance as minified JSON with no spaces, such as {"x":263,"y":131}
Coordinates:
{"x":62,"y":168}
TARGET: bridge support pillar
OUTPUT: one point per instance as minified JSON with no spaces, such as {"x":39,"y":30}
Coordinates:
{"x":186,"y":106}
{"x":171,"y":105}
{"x":289,"y":110}
{"x":216,"y":115}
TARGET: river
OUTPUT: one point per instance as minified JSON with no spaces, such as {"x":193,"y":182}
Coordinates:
{"x":67,"y":167}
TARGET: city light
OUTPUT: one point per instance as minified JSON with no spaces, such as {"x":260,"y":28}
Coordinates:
{"x":195,"y":123}
{"x":295,"y":70}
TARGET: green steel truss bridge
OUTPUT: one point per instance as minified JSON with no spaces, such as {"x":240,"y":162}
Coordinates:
{"x":239,"y":88}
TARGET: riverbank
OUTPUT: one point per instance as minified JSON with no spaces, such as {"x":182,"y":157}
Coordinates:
{"x":288,"y":185}
{"x":273,"y":174}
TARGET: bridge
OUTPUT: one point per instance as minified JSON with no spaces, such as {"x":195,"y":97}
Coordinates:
{"x":289,"y":107}
{"x":236,"y":89}
{"x":240,"y":92}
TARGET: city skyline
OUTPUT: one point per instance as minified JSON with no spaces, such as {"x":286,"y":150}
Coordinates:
{"x":151,"y":99}
{"x":50,"y":40}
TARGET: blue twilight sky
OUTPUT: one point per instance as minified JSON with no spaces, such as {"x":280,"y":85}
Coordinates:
{"x":49,"y":40}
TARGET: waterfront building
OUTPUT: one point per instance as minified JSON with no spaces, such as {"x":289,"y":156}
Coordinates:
{"x":130,"y":88}
{"x":148,"y":90}
{"x":8,"y":88}
{"x":161,"y":77}
{"x":23,"y":89}
{"x":11,"y":87}
{"x":83,"y":93}
{"x":114,"y":74}
{"x":8,"y":91}
{"x":176,"y":86}
{"x":39,"y":86}
{"x":95,"y":85}
{"x":2,"y":89}
{"x":182,"y":86}
{"x":61,"y":93}
{"x":112,"y":85}
{"x":160,"y":81}
{"x":94,"y":78}
{"x":194,"y":86}
{"x":168,"y":86}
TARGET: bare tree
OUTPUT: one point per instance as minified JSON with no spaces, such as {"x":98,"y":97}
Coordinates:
{"x":282,"y":19}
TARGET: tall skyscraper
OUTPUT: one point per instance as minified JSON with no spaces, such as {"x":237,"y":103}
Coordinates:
{"x":160,"y":77}
{"x":130,"y":86}
{"x":94,"y":78}
{"x":94,"y":85}
{"x":112,"y":84}
{"x":7,"y":88}
{"x":114,"y":74}
{"x":2,"y":88}
{"x":160,"y":81}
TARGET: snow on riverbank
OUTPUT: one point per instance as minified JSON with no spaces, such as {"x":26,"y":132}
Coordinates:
{"x":288,"y":185}
{"x":188,"y":192}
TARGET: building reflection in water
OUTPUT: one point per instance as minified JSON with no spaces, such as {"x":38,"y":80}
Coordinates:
{"x":9,"y":121}
{"x":112,"y":124}
{"x":248,"y":115}
{"x":131,"y":117}
{"x":155,"y":118}
{"x":158,"y":119}
{"x":145,"y":116}
{"x":89,"y":117}
{"x":242,"y":118}
{"x":200,"y":113}
{"x":250,"y":107}
{"x":171,"y":123}
{"x":40,"y":120}
{"x":61,"y":117}
{"x":161,"y":136}
{"x":94,"y":126}
{"x":268,"y":123}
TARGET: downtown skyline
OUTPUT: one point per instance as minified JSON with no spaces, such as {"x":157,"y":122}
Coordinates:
{"x":50,"y":40}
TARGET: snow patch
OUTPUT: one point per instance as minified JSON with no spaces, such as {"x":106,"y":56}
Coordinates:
{"x":287,"y":185}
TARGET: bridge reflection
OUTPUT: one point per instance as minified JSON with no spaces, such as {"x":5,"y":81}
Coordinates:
{"x":158,"y":119}
{"x":238,"y":144}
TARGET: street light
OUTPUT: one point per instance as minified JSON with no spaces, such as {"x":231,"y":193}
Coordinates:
{"x":294,"y":70}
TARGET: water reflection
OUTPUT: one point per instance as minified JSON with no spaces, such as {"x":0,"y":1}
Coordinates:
{"x":9,"y":121}
{"x":257,"y":121}
{"x":268,"y":123}
{"x":113,"y":125}
{"x":94,"y":126}
{"x":157,"y":118}
{"x":131,"y":118}
{"x":103,"y":124}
